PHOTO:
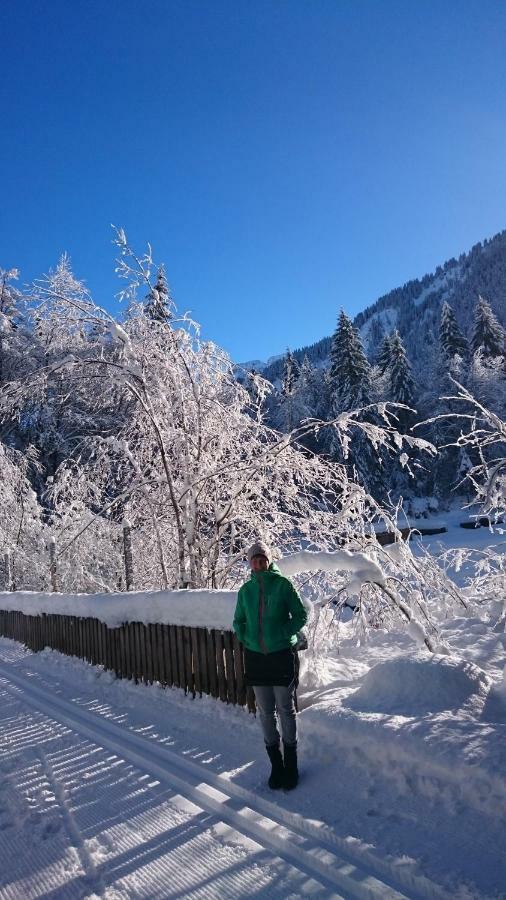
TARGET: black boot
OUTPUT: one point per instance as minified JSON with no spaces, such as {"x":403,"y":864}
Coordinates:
{"x":291,"y":771}
{"x":276,"y":779}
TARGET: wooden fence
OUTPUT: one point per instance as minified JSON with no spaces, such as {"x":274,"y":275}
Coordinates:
{"x":389,"y":537}
{"x":198,"y":660}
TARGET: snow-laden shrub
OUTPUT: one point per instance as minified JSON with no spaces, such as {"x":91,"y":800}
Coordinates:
{"x":23,"y":536}
{"x":483,"y":438}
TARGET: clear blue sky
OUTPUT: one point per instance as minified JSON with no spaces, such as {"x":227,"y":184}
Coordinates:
{"x":284,"y":158}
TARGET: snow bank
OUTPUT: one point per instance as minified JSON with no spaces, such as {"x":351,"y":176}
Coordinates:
{"x":205,"y":609}
{"x":452,"y":761}
{"x":433,"y":725}
{"x":416,"y":687}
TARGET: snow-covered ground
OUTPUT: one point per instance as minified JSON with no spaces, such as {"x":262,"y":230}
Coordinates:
{"x":121,"y":791}
{"x":456,"y":536}
{"x":114,"y":790}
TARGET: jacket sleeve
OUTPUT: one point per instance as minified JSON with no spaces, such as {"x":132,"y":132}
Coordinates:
{"x":297,"y":610}
{"x":239,"y":623}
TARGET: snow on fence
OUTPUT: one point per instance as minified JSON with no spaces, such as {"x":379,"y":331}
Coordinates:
{"x":180,"y":638}
{"x":199,"y":660}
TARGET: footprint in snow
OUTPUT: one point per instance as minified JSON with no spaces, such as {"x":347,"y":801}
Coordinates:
{"x":50,"y":829}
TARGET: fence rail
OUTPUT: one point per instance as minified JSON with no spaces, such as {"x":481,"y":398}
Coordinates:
{"x":198,"y":660}
{"x":389,"y":537}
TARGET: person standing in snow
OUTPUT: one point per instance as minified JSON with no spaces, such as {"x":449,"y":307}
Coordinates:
{"x":268,"y":615}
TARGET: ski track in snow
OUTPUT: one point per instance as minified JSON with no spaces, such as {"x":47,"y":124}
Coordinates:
{"x":182,"y":824}
{"x":123,"y":829}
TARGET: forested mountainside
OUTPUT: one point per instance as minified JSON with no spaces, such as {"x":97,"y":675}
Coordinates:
{"x":414,"y":309}
{"x":403,"y":350}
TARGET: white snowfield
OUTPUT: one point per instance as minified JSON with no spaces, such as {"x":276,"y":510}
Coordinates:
{"x":118,"y":790}
{"x":200,"y":608}
{"x":94,"y":804}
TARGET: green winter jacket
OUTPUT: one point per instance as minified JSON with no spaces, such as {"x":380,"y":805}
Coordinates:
{"x":269,"y":612}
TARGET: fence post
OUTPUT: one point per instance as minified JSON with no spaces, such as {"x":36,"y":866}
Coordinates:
{"x":52,"y":564}
{"x":127,"y":550}
{"x":9,"y":574}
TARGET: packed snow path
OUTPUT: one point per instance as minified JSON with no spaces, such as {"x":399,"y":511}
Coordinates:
{"x":116,"y":791}
{"x":112,"y":814}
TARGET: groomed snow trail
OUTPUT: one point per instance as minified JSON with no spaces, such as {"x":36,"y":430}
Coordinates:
{"x":89,"y":808}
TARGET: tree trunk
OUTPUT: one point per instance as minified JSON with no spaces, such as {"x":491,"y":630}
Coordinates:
{"x":127,"y":550}
{"x":9,"y":574}
{"x":52,"y":565}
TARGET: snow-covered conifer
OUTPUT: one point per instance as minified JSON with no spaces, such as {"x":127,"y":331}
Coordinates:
{"x":311,"y":389}
{"x":288,"y":409}
{"x":60,"y":408}
{"x":487,"y":382}
{"x":158,"y":304}
{"x":384,"y":356}
{"x":402,"y":387}
{"x":350,"y":372}
{"x":451,"y":339}
{"x":291,"y":372}
{"x":489,"y":336}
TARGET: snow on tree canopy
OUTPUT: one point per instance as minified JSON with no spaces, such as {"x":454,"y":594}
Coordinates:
{"x":450,"y":336}
{"x":488,"y":334}
{"x":198,"y":608}
{"x":350,"y":373}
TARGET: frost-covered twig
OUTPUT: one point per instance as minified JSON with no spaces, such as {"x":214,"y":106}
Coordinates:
{"x":364,"y":571}
{"x":486,"y":433}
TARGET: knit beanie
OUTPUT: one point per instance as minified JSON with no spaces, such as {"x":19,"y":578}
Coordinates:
{"x":259,"y":549}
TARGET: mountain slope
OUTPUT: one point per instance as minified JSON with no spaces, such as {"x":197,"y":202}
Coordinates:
{"x":415,"y":307}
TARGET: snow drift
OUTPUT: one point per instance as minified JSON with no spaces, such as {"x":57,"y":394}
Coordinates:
{"x":413,"y":687}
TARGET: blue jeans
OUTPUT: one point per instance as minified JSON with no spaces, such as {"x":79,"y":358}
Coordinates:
{"x":270,"y":699}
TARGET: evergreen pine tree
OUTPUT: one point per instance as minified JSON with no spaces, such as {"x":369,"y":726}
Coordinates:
{"x":350,"y":372}
{"x":306,"y":370}
{"x":451,"y":338}
{"x":158,"y":302}
{"x":291,"y":408}
{"x":311,"y":390}
{"x":291,"y":372}
{"x":488,"y":334}
{"x":384,"y":356}
{"x":314,"y":393}
{"x":402,"y":386}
